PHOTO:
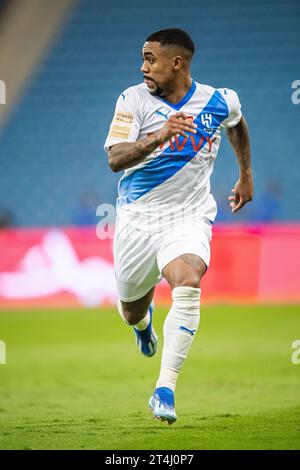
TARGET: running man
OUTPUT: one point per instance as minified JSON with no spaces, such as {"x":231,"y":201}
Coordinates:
{"x":165,"y":135}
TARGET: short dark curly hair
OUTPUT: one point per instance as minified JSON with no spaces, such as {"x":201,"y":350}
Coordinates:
{"x":174,"y":36}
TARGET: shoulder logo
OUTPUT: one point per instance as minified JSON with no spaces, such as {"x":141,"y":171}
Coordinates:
{"x":124,"y":95}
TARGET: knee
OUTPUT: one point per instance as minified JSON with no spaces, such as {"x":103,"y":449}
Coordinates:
{"x":131,"y":317}
{"x":192,"y":280}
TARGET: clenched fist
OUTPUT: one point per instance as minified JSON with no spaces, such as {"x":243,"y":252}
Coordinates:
{"x":179,"y":123}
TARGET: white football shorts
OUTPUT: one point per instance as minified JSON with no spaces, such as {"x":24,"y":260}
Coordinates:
{"x":141,"y":256}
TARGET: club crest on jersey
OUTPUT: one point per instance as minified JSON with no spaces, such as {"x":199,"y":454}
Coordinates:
{"x":206,"y":120}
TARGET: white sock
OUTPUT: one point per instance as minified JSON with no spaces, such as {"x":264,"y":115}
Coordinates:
{"x":141,"y":325}
{"x":180,"y":327}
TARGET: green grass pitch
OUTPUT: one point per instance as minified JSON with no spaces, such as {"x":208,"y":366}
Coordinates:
{"x":75,"y":380}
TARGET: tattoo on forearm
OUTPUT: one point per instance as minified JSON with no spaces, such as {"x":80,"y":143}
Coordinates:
{"x":128,"y":154}
{"x":239,"y":140}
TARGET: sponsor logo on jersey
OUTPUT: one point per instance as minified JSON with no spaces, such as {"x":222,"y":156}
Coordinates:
{"x":124,"y":117}
{"x":165,"y":114}
{"x":119,"y":132}
{"x":178,"y":146}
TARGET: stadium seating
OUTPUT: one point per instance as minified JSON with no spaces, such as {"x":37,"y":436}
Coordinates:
{"x":52,"y":146}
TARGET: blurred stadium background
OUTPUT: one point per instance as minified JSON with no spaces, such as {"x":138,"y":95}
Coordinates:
{"x":63,"y":64}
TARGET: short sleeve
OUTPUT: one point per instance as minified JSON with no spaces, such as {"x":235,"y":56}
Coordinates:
{"x":126,"y":123}
{"x":234,"y":107}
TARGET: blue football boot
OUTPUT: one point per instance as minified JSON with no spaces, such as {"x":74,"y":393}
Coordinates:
{"x":162,"y":404}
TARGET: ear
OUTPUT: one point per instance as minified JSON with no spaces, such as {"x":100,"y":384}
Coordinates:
{"x":177,"y":63}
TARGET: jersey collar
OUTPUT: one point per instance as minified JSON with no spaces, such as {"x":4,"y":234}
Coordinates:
{"x":184,"y":100}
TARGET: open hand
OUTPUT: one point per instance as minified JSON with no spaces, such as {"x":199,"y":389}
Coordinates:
{"x":242,"y":193}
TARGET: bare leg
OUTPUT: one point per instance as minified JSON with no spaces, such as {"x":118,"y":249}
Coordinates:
{"x":186,"y":270}
{"x":135,"y":311}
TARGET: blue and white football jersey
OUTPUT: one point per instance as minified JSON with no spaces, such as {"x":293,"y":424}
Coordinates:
{"x":175,"y":177}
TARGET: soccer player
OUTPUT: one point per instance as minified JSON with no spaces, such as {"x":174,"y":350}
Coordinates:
{"x":165,"y":135}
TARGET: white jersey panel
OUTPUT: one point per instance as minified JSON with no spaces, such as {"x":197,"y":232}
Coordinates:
{"x":126,"y":123}
{"x":234,"y":107}
{"x":175,"y":177}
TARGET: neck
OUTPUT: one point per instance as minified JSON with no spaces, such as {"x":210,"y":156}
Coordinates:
{"x":178,"y":89}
